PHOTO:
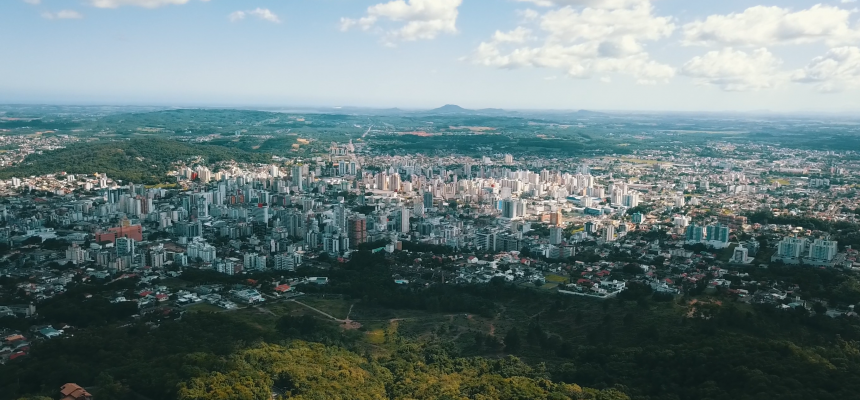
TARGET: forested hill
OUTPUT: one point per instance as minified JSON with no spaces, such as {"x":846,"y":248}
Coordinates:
{"x":138,"y":160}
{"x":304,"y":370}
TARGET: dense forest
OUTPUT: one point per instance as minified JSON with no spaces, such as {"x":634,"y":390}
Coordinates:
{"x":215,"y":356}
{"x":137,"y":160}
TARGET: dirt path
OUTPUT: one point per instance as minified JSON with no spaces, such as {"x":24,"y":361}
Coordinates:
{"x":319,"y":311}
{"x":265,"y":310}
{"x":350,"y":311}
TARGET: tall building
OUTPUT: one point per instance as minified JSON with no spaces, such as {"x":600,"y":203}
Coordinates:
{"x":288,"y":261}
{"x":297,"y":176}
{"x":556,"y":235}
{"x":358,"y":230}
{"x":791,"y":248}
{"x":404,"y":220}
{"x":200,"y":206}
{"x":556,"y":218}
{"x":381,"y":181}
{"x":718,"y":235}
{"x":428,"y":200}
{"x":638,"y":218}
{"x":124,"y":247}
{"x":188,"y":229}
{"x":609,"y":233}
{"x":204,"y":174}
{"x":340,"y":218}
{"x":695,"y":233}
{"x":823,"y":250}
{"x":254,"y":262}
{"x":75,"y":254}
{"x":590,"y":227}
{"x":631,"y":200}
{"x":394,"y":182}
{"x":202,"y":250}
{"x":741,"y":255}
{"x":486,"y":241}
{"x":509,"y":209}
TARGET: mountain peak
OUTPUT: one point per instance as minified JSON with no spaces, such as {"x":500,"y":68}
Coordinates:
{"x":450,"y":108}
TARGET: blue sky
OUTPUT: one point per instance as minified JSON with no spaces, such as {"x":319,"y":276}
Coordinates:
{"x":727,"y":55}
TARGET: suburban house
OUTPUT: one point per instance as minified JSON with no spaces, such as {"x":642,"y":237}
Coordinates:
{"x":71,"y":391}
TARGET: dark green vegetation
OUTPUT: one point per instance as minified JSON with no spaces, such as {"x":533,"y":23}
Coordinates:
{"x":845,"y":232}
{"x":137,"y":160}
{"x":309,"y":371}
{"x":418,"y":343}
{"x":474,"y":133}
{"x":225,"y":356}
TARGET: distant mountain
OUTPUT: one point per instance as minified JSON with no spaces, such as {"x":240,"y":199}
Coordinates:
{"x":450,"y":109}
{"x":586,"y":112}
{"x":494,"y":111}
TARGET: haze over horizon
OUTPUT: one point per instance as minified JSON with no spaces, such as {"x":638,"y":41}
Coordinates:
{"x":621,"y":55}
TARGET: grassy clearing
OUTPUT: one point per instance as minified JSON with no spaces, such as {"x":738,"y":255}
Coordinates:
{"x":555,"y":278}
{"x":290,"y":308}
{"x":204,"y":307}
{"x":335,"y":307}
{"x":376,"y":336}
{"x":174,"y":283}
{"x":254,"y":317}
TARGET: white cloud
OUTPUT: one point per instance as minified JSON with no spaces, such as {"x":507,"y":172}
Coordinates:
{"x":265,"y":14}
{"x":519,"y":35}
{"x":766,"y":26}
{"x":236,"y":16}
{"x":137,"y":3}
{"x":423,"y":19}
{"x":587,"y":41}
{"x":528,"y":14}
{"x":260,"y":13}
{"x":832,"y":72}
{"x":64,"y":14}
{"x":588,"y":3}
{"x":33,"y":2}
{"x":736,"y":71}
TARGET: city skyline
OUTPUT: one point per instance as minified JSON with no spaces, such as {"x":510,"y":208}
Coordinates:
{"x":663,"y":55}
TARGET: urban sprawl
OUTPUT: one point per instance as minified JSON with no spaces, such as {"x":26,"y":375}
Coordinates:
{"x":583,"y":227}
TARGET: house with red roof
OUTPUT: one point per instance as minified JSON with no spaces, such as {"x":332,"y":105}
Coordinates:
{"x":71,"y":391}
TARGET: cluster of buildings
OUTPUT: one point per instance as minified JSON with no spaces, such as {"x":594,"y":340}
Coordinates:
{"x":533,"y":215}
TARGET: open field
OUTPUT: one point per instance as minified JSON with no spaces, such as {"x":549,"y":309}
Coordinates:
{"x":335,"y":307}
{"x":204,"y":307}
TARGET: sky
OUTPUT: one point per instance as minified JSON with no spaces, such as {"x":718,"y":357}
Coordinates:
{"x":642,"y":55}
